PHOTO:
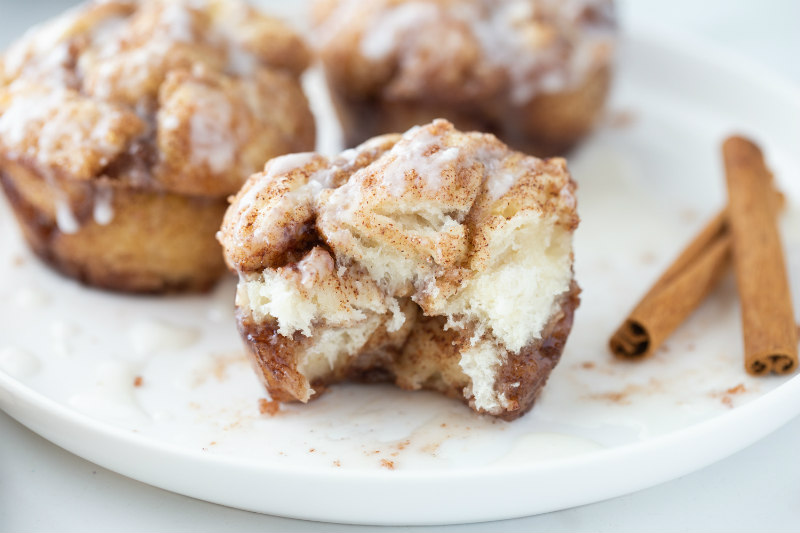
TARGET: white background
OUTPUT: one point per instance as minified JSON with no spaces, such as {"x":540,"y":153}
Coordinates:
{"x":45,"y":488}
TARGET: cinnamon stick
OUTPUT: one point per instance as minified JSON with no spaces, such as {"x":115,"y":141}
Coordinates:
{"x":679,"y":290}
{"x":768,"y":323}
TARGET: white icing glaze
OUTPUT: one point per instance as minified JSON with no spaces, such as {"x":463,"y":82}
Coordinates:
{"x":382,"y":37}
{"x":169,"y":122}
{"x":415,"y":154}
{"x":26,"y":114}
{"x":150,"y":336}
{"x":54,"y":63}
{"x":499,"y":177}
{"x":62,"y":336}
{"x":65,"y":218}
{"x":500,"y":182}
{"x":138,"y":63}
{"x":275,"y":167}
{"x":106,"y":36}
{"x":286,"y":163}
{"x":103,"y":210}
{"x":344,"y":11}
{"x":177,"y":22}
{"x":213,"y":140}
{"x":30,"y":297}
{"x":18,"y":363}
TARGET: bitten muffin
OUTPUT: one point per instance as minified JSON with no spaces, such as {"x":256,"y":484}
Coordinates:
{"x":534,"y":72}
{"x":435,"y":259}
{"x":125,"y":125}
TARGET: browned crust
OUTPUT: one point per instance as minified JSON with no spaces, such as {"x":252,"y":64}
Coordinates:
{"x":156,"y":242}
{"x":531,"y":367}
{"x":428,"y":350}
{"x":432,"y":355}
{"x":275,"y":357}
{"x":549,"y":125}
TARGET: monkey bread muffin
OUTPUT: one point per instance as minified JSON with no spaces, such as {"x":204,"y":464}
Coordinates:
{"x":435,"y":259}
{"x":534,"y":72}
{"x":125,"y":125}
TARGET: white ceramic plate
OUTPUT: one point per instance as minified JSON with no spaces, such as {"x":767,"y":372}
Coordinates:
{"x":373,"y":454}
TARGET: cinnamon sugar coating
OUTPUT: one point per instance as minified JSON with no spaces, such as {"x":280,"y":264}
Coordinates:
{"x":158,"y":98}
{"x":435,"y":259}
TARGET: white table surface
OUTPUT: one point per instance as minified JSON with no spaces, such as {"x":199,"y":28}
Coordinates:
{"x":43,"y":487}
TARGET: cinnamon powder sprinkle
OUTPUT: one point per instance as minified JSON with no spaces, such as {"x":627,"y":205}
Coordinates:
{"x":387,"y":464}
{"x":725,"y":397}
{"x":648,"y":258}
{"x":137,"y":381}
{"x":614,"y":397}
{"x":621,"y":118}
{"x":689,"y":216}
{"x":266,"y":407}
{"x":737,"y":389}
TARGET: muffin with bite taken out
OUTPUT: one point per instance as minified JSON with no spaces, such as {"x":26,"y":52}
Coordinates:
{"x":436,"y":259}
